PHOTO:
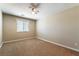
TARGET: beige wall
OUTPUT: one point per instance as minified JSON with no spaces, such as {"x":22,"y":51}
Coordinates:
{"x":10,"y":30}
{"x":62,"y":28}
{"x":1,"y":27}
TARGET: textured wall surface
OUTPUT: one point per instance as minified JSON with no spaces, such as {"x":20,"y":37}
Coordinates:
{"x":62,"y":28}
{"x":10,"y":28}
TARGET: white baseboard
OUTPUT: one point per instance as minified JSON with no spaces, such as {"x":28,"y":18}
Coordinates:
{"x":15,"y":41}
{"x":58,"y":44}
{"x":18,"y":40}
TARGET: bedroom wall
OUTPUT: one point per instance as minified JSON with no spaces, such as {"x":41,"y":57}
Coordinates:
{"x":1,"y":28}
{"x":10,"y":29}
{"x":62,"y":28}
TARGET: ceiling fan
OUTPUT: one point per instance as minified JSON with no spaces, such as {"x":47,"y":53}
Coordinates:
{"x":34,"y":7}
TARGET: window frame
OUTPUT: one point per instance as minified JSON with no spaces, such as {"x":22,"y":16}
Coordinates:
{"x":27,"y":24}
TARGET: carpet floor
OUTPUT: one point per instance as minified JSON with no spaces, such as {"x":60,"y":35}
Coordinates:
{"x":35,"y":47}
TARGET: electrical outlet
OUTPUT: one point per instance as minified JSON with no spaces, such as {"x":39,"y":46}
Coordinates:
{"x":76,"y":44}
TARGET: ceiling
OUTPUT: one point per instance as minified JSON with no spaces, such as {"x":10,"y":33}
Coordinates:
{"x":49,"y":9}
{"x":18,"y":9}
{"x":23,"y":10}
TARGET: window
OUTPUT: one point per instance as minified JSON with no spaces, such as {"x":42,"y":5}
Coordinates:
{"x":22,"y":26}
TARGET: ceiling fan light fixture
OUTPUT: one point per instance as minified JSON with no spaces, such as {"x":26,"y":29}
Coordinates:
{"x":34,"y":8}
